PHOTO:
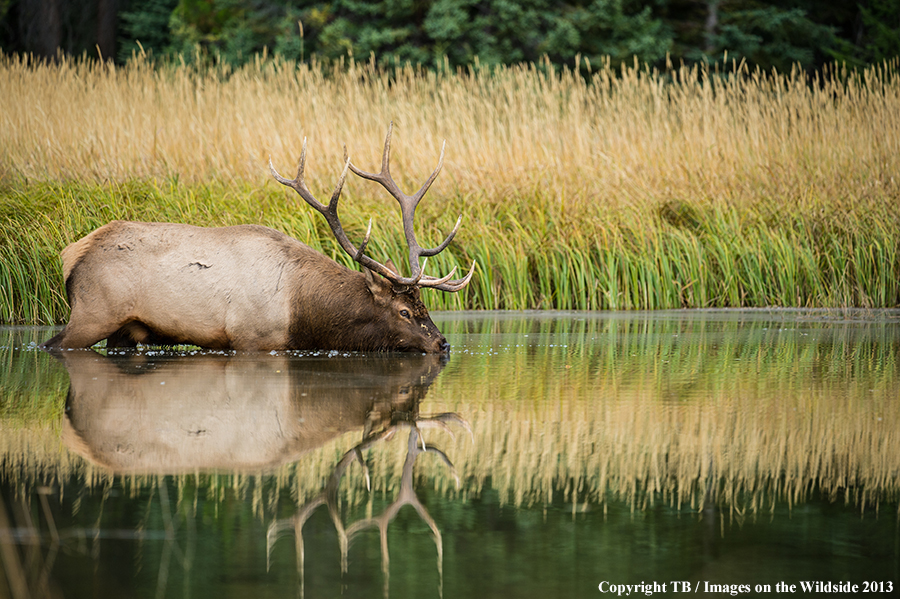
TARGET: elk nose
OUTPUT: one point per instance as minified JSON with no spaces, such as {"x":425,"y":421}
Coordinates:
{"x":445,"y":347}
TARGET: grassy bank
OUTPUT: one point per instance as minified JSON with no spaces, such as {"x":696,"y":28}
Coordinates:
{"x":721,"y":257}
{"x":631,"y":189}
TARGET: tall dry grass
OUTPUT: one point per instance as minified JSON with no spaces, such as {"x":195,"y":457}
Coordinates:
{"x":615,"y":139}
{"x":624,"y":189}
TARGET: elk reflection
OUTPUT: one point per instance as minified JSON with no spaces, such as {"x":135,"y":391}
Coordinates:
{"x":405,"y":496}
{"x":244,"y":412}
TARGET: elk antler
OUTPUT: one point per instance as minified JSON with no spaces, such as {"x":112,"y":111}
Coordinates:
{"x":330,"y":213}
{"x":407,"y":206}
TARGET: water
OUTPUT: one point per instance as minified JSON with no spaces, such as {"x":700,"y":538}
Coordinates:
{"x":552,"y":454}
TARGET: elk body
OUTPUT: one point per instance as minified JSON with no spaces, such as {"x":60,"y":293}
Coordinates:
{"x":250,"y":287}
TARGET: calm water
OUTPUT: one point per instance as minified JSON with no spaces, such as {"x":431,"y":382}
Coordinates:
{"x":553,"y":452}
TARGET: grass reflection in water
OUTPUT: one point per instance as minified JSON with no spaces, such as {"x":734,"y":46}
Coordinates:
{"x":743,"y":408}
{"x":735,"y":414}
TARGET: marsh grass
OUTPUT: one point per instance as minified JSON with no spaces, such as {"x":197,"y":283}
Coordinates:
{"x":626,"y":189}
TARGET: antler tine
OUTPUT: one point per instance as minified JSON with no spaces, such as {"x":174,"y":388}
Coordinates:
{"x":330,"y":212}
{"x":408,"y":205}
{"x":440,"y":248}
{"x":417,"y":197}
{"x":383,"y":177}
{"x":450,"y":286}
{"x":362,"y":247}
{"x":386,"y":155}
{"x":299,"y":185}
{"x":432,"y":281}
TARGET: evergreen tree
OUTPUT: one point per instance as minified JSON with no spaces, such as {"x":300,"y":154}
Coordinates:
{"x":768,"y":33}
{"x":144,"y":27}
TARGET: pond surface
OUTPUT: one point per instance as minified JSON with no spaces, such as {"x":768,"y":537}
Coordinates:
{"x":553,"y":455}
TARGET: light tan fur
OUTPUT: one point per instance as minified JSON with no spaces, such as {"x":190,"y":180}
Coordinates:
{"x":73,"y":252}
{"x":245,"y":287}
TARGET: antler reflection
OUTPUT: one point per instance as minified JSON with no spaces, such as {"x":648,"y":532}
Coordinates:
{"x":406,"y":496}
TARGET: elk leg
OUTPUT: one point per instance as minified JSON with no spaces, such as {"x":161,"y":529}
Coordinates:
{"x":83,"y":330}
{"x":74,"y":339}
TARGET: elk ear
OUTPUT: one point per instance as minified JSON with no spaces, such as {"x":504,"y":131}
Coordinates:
{"x":390,"y":265}
{"x":378,"y":286}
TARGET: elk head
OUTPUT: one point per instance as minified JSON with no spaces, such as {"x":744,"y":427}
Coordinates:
{"x":398,"y":296}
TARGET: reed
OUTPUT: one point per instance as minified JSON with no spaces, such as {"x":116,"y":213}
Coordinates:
{"x":625,"y":189}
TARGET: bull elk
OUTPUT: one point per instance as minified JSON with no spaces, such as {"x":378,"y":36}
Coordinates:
{"x":249,"y":287}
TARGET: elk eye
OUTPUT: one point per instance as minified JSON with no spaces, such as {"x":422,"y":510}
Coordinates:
{"x":404,"y":313}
